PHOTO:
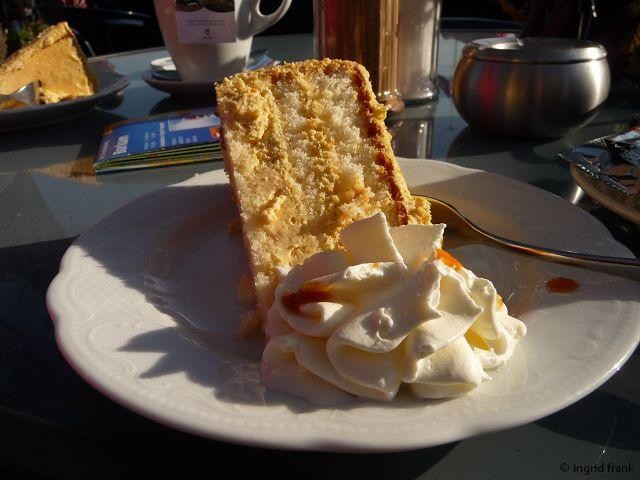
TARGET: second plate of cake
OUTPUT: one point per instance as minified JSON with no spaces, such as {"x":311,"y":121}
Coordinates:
{"x":145,"y":309}
{"x":110,"y":84}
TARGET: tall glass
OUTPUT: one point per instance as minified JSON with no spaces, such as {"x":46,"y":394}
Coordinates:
{"x":364,"y":31}
{"x":418,"y":30}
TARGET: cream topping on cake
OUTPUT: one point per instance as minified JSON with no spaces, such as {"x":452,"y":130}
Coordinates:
{"x":392,"y":308}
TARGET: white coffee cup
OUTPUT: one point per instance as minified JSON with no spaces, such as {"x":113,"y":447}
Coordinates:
{"x":212,"y":42}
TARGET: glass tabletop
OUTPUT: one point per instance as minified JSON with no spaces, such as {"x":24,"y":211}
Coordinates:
{"x":54,"y":424}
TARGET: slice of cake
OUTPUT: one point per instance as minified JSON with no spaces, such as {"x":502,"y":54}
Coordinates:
{"x":307,"y":153}
{"x":53,"y":58}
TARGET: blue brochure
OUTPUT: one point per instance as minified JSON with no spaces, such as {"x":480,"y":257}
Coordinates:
{"x":179,"y":137}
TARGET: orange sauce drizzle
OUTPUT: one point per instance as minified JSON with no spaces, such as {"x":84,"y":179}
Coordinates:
{"x":448,"y":259}
{"x":451,"y":261}
{"x":308,"y":293}
{"x":475,"y":340}
{"x":561,"y":285}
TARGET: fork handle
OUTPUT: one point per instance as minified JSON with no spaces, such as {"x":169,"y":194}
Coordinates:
{"x":625,"y":267}
{"x":447,"y":213}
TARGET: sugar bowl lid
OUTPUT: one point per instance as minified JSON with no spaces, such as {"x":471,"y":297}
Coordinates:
{"x":534,"y":50}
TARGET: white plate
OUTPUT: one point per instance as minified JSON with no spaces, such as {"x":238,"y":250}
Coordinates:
{"x":145,"y":310}
{"x":110,"y":83}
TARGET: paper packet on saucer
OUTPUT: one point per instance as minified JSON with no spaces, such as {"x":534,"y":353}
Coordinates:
{"x":614,"y":159}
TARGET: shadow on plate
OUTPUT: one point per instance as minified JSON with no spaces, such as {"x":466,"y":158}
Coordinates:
{"x":189,"y":272}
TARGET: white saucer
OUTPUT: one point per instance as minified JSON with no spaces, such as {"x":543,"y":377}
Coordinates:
{"x":166,"y":78}
{"x":163,"y":64}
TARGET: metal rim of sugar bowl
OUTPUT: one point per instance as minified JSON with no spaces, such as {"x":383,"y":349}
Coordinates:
{"x":545,"y":50}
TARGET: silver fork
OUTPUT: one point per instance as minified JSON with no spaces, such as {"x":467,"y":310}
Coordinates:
{"x":27,"y":94}
{"x":443,"y":212}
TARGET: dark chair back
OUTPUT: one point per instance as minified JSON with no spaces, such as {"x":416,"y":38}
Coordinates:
{"x":101,"y":31}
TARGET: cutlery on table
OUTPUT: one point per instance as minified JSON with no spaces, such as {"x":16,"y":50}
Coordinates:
{"x":27,"y":94}
{"x":443,"y":212}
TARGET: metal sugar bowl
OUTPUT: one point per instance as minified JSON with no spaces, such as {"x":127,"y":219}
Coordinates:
{"x":531,"y":87}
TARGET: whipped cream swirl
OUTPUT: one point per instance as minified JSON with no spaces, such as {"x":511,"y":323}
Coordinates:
{"x":391,"y":308}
